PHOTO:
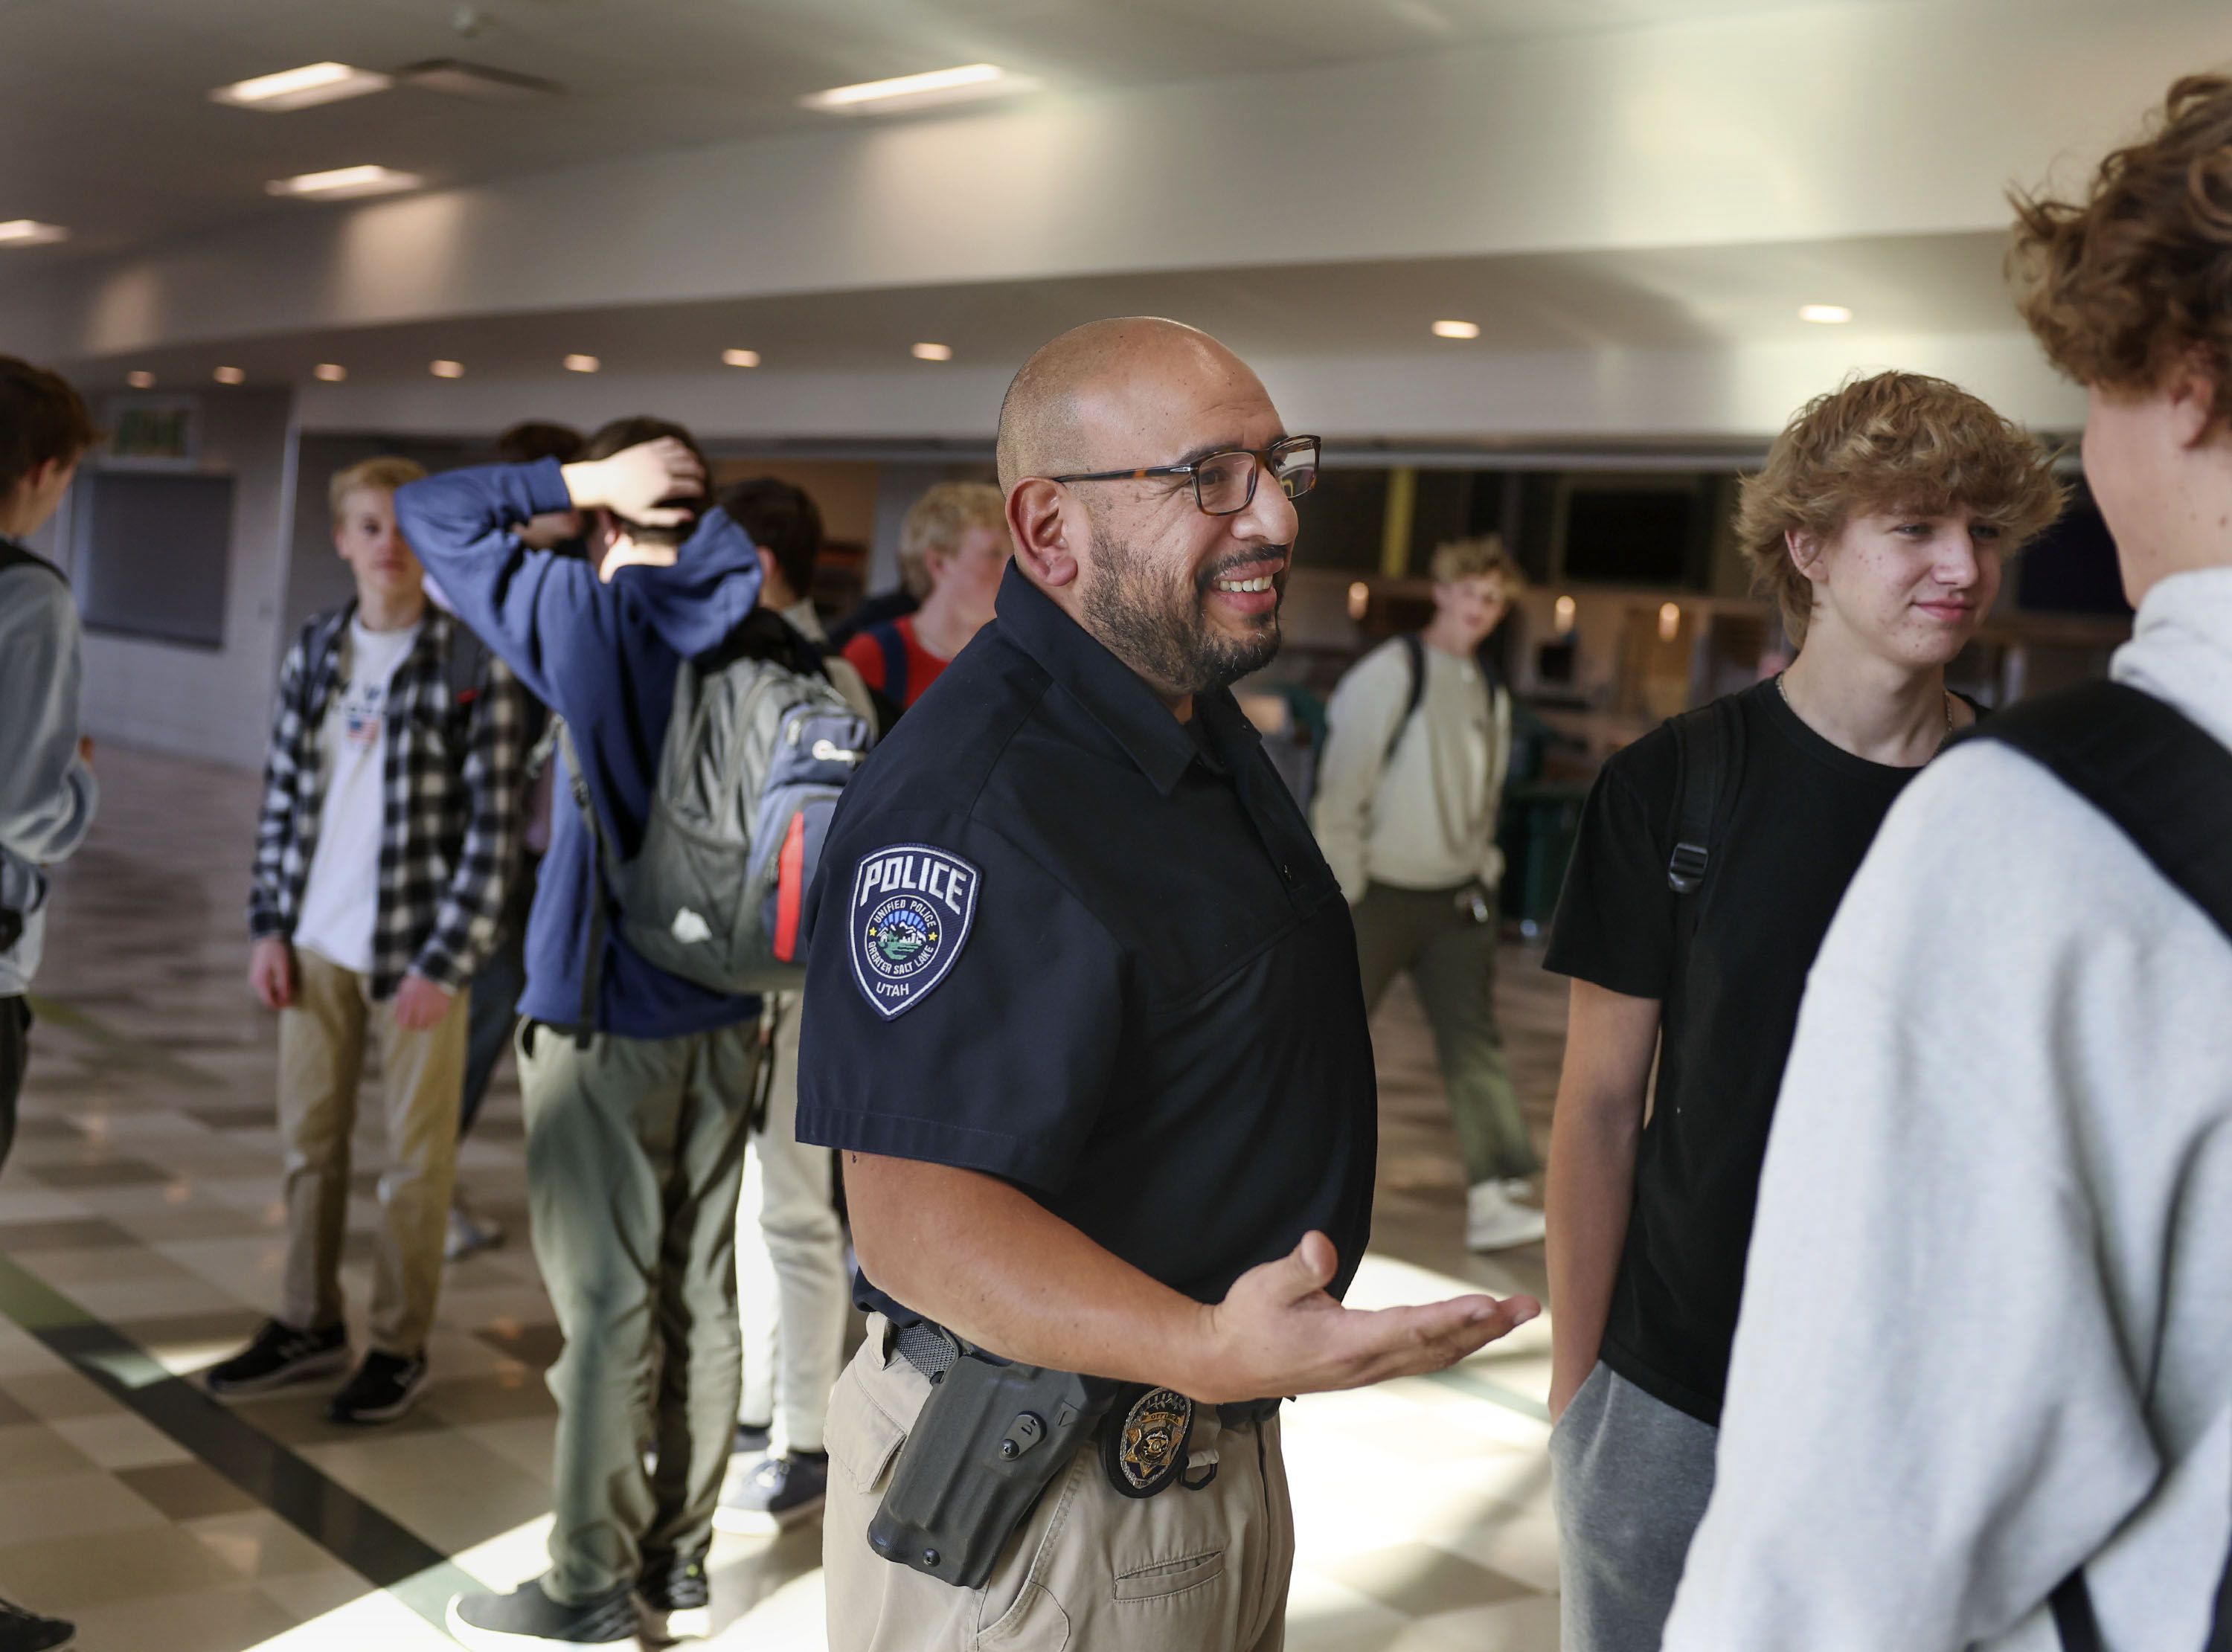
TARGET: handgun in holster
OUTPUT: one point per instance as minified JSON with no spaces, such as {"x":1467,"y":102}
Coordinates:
{"x":991,"y":1438}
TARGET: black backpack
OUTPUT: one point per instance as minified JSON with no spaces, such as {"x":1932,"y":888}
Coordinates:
{"x":13,"y":555}
{"x":1414,"y":652}
{"x":2166,"y":784}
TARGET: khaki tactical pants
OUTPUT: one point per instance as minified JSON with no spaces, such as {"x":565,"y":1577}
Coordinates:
{"x":321,"y":1040}
{"x":1089,"y":1569}
{"x":635,"y":1151}
{"x":1452,"y":963}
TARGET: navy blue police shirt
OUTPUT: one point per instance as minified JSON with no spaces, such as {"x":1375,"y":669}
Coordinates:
{"x":1061,"y":938}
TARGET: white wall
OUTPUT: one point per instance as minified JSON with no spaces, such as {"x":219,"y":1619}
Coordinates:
{"x":196,"y":701}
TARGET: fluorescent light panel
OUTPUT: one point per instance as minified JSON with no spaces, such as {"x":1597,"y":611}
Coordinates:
{"x":30,"y":232}
{"x":446,"y":369}
{"x":331,"y":372}
{"x":230,"y":376}
{"x":933,"y":352}
{"x":919,"y":91}
{"x":582,"y":364}
{"x":301,"y":89}
{"x":741,"y":358}
{"x":1456,"y":329}
{"x":346,"y":182}
{"x":1827,"y":315}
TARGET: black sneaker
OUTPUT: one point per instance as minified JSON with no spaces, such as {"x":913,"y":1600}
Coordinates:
{"x":777,"y":1492}
{"x":527,"y":1617}
{"x":277,"y":1356}
{"x":673,"y":1603}
{"x":22,"y":1631}
{"x":752,"y":1439}
{"x":384,"y":1387}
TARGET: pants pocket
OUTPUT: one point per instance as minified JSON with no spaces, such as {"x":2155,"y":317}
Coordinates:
{"x":862,"y":1438}
{"x":1169,"y":1578}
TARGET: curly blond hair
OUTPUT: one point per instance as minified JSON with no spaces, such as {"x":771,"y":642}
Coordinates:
{"x":1894,"y":442}
{"x":2139,"y":273}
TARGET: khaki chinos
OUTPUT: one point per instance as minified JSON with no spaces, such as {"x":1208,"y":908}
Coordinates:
{"x":321,"y":1039}
{"x":1183,"y":1570}
{"x":634,"y":1154}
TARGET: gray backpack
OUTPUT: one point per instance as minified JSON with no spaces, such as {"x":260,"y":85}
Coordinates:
{"x":755,"y":755}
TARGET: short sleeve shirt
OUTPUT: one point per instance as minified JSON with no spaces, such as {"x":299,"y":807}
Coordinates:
{"x":1789,"y":842}
{"x":1061,"y":939}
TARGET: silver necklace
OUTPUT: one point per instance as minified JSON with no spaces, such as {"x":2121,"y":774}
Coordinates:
{"x":1782,"y":689}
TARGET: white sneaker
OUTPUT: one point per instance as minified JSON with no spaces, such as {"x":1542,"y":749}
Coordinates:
{"x":1494,"y":1222}
{"x":469,"y":1235}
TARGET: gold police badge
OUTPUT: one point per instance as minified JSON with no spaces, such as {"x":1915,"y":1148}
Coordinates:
{"x":1145,"y":1450}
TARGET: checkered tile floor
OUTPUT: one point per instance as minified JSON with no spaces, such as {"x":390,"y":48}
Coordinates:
{"x":140,"y":1242}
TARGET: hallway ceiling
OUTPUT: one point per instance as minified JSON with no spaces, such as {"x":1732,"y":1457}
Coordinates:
{"x":1634,"y":300}
{"x":106,"y":126}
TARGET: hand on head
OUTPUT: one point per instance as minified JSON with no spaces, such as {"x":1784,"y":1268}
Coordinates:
{"x":634,"y":483}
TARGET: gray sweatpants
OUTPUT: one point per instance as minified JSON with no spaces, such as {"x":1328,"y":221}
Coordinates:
{"x":1630,"y":1479}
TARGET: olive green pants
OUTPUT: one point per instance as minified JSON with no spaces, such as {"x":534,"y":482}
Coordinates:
{"x":1452,"y":959}
{"x":635,"y":1151}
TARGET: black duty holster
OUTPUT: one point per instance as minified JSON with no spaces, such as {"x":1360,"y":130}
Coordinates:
{"x":989,"y":1439}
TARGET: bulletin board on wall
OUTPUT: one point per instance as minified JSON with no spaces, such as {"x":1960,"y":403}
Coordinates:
{"x":151,"y":552}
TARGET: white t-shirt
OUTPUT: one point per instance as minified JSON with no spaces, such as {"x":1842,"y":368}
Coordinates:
{"x":341,"y":901}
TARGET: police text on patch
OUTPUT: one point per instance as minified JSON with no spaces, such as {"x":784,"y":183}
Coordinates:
{"x":911,"y":907}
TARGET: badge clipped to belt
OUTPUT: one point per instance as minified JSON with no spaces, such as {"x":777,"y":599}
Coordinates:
{"x":1144,"y":1447}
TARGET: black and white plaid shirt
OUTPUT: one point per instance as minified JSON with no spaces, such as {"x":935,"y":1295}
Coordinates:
{"x":450,"y":831}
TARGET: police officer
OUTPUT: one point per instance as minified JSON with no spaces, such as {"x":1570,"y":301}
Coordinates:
{"x":1086,"y":1025}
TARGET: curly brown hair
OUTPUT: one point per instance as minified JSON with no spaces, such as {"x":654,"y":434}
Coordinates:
{"x":1894,"y":442}
{"x":2139,"y":273}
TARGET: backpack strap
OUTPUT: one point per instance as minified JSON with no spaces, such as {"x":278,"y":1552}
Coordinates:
{"x":1708,"y":758}
{"x":604,"y":882}
{"x":893,"y":648}
{"x":1414,"y":652}
{"x":2166,"y":783}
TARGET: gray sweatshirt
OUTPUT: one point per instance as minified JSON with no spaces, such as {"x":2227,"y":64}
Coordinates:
{"x":1987,"y":1326}
{"x":47,"y":794}
{"x":1423,"y":817}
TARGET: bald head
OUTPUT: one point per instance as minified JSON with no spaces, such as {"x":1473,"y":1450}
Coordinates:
{"x":1083,"y":397}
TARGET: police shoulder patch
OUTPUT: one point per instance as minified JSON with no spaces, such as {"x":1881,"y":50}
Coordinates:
{"x":911,"y":909}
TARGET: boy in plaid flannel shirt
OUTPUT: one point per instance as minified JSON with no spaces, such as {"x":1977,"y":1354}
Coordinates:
{"x":390,"y":823}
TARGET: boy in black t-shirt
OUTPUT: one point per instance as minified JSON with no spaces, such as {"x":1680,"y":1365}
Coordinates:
{"x":1879,"y":523}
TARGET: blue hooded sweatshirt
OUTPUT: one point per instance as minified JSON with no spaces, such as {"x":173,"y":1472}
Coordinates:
{"x":604,"y":657}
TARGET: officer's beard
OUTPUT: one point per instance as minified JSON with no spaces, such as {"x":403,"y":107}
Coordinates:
{"x":1155,"y":618}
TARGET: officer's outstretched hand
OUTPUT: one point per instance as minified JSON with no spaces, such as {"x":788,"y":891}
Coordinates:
{"x":1278,"y":1332}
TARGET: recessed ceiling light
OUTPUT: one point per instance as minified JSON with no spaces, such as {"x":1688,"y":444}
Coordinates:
{"x":345,"y":183}
{"x":301,"y":88}
{"x":741,"y":358}
{"x":446,"y":369}
{"x":933,"y":352}
{"x":1456,"y":329}
{"x":1827,"y":315}
{"x":30,"y":232}
{"x":230,"y":376}
{"x":332,"y":372}
{"x":140,"y":379}
{"x":582,"y":364}
{"x":920,"y":91}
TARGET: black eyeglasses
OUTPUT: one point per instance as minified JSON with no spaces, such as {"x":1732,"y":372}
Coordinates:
{"x":1225,"y":481}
